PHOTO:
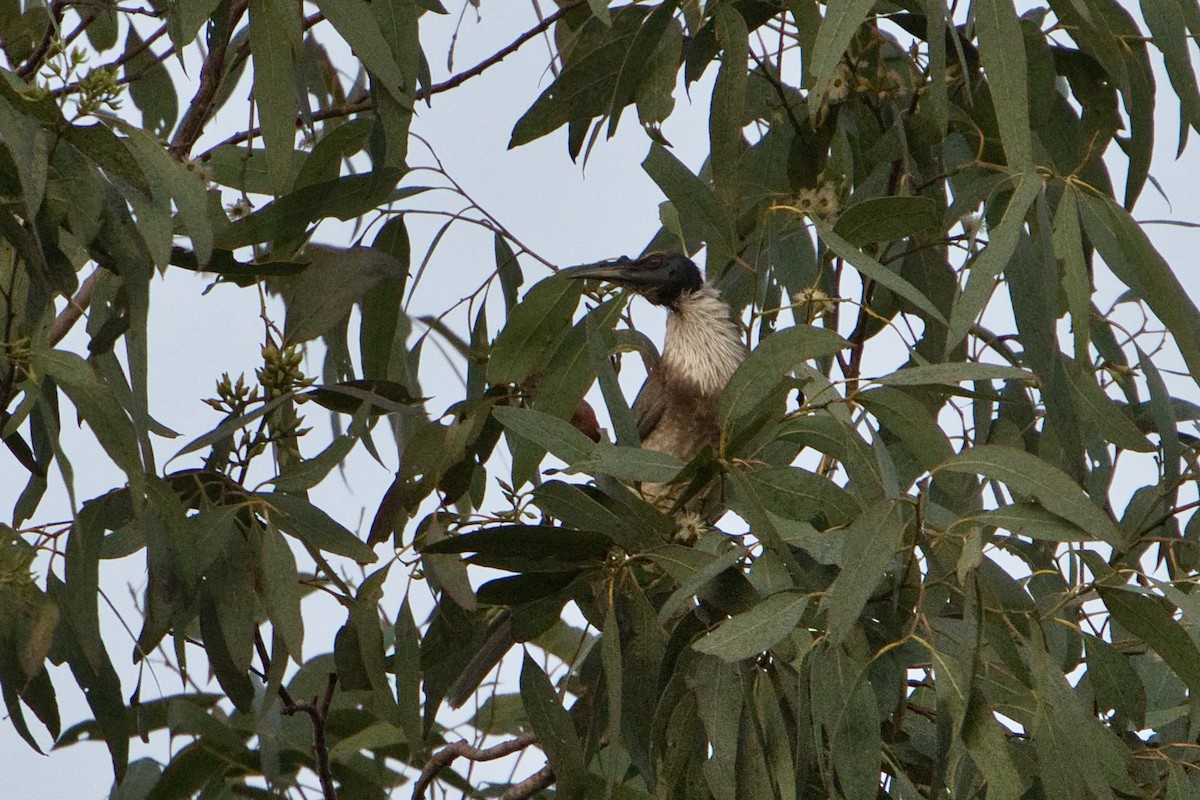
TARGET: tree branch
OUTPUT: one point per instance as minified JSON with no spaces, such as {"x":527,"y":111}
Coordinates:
{"x":38,"y":56}
{"x":318,"y":713}
{"x":76,"y":305}
{"x":542,"y":779}
{"x":211,"y":76}
{"x":367,"y":103}
{"x":464,"y":749}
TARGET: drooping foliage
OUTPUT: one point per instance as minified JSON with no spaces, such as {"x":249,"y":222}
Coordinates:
{"x":960,"y":557}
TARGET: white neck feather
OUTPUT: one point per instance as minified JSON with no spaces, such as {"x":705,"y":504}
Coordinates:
{"x":703,"y":344}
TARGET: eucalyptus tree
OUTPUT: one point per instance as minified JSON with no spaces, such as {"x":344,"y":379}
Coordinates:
{"x":959,"y":556}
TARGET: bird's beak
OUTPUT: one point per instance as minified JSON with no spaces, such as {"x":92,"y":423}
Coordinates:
{"x":623,"y":271}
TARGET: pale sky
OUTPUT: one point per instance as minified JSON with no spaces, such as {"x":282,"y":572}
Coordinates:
{"x":567,"y":215}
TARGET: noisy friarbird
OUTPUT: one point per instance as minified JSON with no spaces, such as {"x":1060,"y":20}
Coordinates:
{"x":676,"y":409}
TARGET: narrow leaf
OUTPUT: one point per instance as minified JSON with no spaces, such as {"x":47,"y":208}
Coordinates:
{"x":755,"y":631}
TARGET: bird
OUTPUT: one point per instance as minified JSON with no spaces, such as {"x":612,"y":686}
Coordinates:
{"x":676,"y":408}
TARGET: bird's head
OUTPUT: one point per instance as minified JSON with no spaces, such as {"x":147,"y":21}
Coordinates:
{"x":659,"y":277}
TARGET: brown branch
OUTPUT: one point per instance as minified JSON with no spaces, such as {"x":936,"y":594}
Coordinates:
{"x":318,"y":713}
{"x":858,"y":338}
{"x":542,"y":779}
{"x":76,"y":305}
{"x":212,"y":73}
{"x":37,"y":57}
{"x":367,"y":103}
{"x":464,"y":749}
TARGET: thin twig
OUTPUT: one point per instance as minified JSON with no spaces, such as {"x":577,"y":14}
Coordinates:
{"x":212,"y":73}
{"x":542,"y":779}
{"x":367,"y":103}
{"x":121,"y":60}
{"x":76,"y":305}
{"x":37,"y":58}
{"x":464,"y":749}
{"x":318,"y":713}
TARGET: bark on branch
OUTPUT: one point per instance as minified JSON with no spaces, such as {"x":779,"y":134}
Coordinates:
{"x":464,"y":749}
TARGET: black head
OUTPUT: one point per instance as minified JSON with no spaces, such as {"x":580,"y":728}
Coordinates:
{"x":659,"y":277}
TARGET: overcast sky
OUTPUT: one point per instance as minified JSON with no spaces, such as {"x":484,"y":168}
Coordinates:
{"x":565,"y":214}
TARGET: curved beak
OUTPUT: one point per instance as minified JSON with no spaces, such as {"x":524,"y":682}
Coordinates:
{"x":624,"y":271}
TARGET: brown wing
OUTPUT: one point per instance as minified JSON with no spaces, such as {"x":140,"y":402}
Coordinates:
{"x":649,"y":404}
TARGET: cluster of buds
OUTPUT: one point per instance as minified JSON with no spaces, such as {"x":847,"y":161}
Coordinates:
{"x":231,"y":397}
{"x":99,"y":89}
{"x":280,"y":372}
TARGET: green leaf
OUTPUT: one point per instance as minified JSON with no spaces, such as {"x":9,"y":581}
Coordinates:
{"x":584,"y":88}
{"x":297,"y":517}
{"x":1164,"y":418}
{"x":798,"y":494}
{"x":578,"y":507}
{"x":1114,"y":680}
{"x":646,"y":66}
{"x":600,"y":10}
{"x":1162,"y":17}
{"x":1099,"y":413}
{"x":556,"y":734}
{"x":987,"y":743}
{"x":838,"y":27}
{"x":888,"y":219}
{"x":749,"y":504}
{"x":1002,"y":51}
{"x":1002,"y":242}
{"x":185,"y":186}
{"x":873,"y":270}
{"x":275,"y":30}
{"x":407,"y":666}
{"x":1129,"y":253}
{"x":227,"y":428}
{"x":349,"y":397}
{"x":871,"y":542}
{"x":911,"y":422}
{"x":281,"y":591}
{"x":382,"y":318}
{"x":1028,"y":475}
{"x":357,"y":25}
{"x":184,"y":21}
{"x":97,"y":404}
{"x":727,"y":112}
{"x":345,"y":198}
{"x":755,"y":631}
{"x":699,"y":209}
{"x":558,"y":437}
{"x":1149,"y":619}
{"x":1026,"y":519}
{"x":27,"y":145}
{"x":551,"y":549}
{"x":599,"y":348}
{"x":1076,"y":283}
{"x":631,"y":464}
{"x":827,"y":434}
{"x":335,"y":279}
{"x":719,"y":700}
{"x":150,"y":86}
{"x":692,"y":570}
{"x":535,"y":329}
{"x":760,"y":374}
{"x":952,"y":374}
